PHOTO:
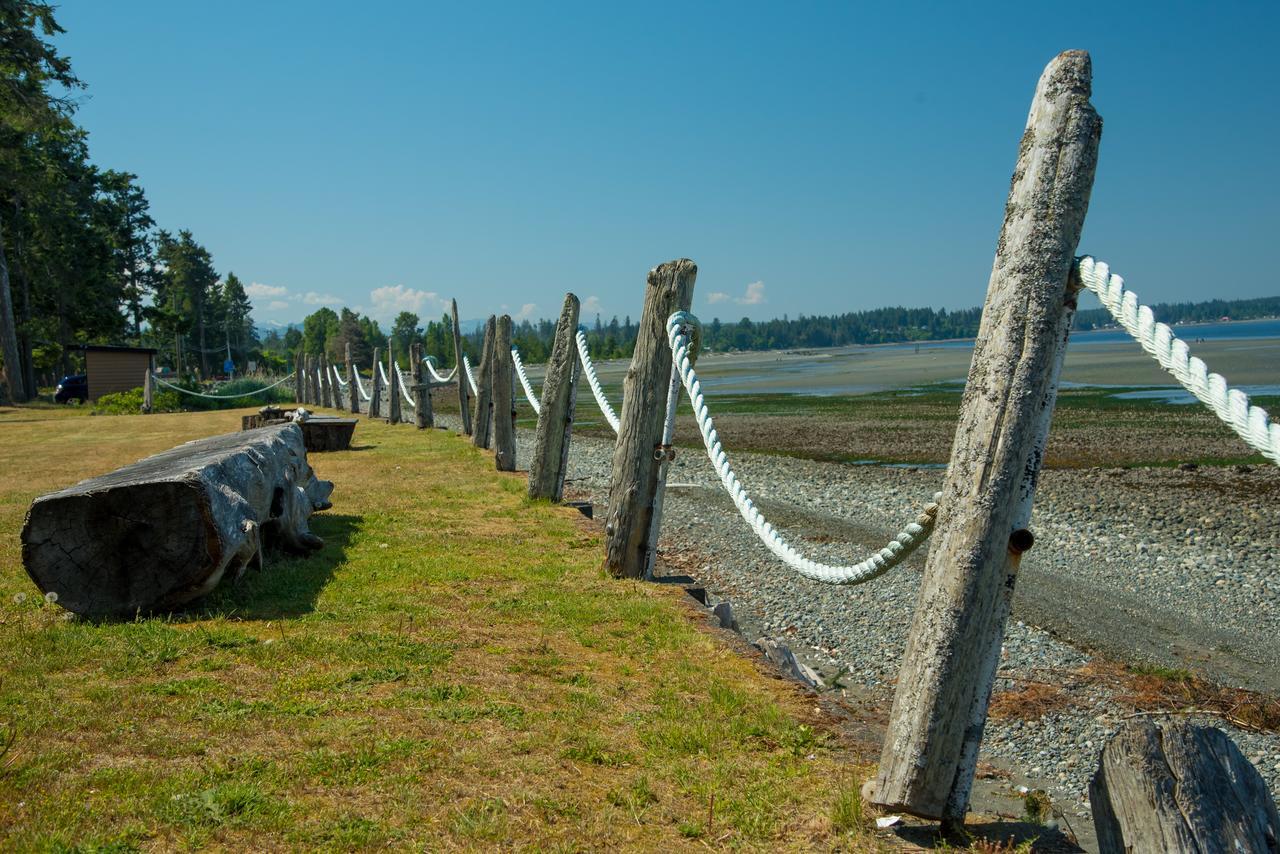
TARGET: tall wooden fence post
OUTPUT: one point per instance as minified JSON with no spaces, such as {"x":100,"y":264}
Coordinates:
{"x":504,"y":398}
{"x":483,"y":419}
{"x":464,"y":392}
{"x":326,"y":382}
{"x":423,"y":417}
{"x":644,"y":397}
{"x":148,"y":391}
{"x":940,"y":704}
{"x":351,"y":383}
{"x":375,"y":396}
{"x":555,"y":421}
{"x":313,"y":379}
{"x":393,"y":378}
{"x":300,"y":376}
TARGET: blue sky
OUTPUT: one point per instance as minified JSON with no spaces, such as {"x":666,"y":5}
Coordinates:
{"x":812,"y":158}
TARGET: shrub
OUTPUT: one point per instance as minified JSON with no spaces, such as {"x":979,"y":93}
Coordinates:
{"x":130,"y":402}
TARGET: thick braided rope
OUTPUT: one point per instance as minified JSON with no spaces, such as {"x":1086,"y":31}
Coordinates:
{"x":220,"y":396}
{"x":524,"y":381}
{"x":364,"y":395}
{"x":429,"y":361}
{"x":383,"y":372}
{"x":1230,"y":404}
{"x":471,"y":377}
{"x":594,"y":381}
{"x":403,"y":393}
{"x":904,"y":543}
{"x":337,"y":376}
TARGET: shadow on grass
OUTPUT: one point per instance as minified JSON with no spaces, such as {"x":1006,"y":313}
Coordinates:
{"x":287,"y":586}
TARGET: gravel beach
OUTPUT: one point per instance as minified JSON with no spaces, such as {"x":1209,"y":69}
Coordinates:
{"x":1171,"y":568}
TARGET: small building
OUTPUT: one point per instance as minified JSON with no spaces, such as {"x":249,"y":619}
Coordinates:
{"x":112,"y":369}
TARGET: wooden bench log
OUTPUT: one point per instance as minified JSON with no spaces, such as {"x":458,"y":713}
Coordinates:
{"x":165,"y":530}
{"x":1168,"y":785}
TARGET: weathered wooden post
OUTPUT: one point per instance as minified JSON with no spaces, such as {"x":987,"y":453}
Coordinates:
{"x":352,"y":386}
{"x":483,"y":419}
{"x":1171,"y":785}
{"x":375,"y":396}
{"x":393,"y":396}
{"x":464,"y":393}
{"x":148,"y":391}
{"x":644,"y":396}
{"x":940,"y":705}
{"x":326,"y":383}
{"x":300,"y":376}
{"x":423,"y":417}
{"x":559,"y":398}
{"x":313,"y":380}
{"x":504,"y":398}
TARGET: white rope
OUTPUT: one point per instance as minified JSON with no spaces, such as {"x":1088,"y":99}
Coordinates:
{"x":1230,"y":404}
{"x":904,"y":543}
{"x":383,"y":372}
{"x":429,"y":361}
{"x":471,"y":377}
{"x":594,"y":381}
{"x":364,"y":395}
{"x":524,"y":381}
{"x":220,"y":396}
{"x":403,"y":393}
{"x":337,"y":375}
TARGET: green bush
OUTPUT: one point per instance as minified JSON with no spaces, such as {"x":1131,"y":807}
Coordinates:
{"x":130,"y":402}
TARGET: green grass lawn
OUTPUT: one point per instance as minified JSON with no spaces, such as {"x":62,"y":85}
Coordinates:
{"x":451,"y":671}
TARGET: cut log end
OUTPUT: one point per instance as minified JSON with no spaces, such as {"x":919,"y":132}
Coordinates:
{"x":167,"y":529}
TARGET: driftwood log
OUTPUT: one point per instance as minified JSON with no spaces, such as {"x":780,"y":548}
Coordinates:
{"x":167,"y":529}
{"x":1169,"y":785}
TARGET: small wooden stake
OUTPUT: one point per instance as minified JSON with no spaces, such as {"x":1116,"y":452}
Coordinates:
{"x":555,"y":421}
{"x":375,"y":396}
{"x":940,"y":704}
{"x":504,"y":398}
{"x":352,"y":387}
{"x":464,"y":393}
{"x":635,"y":465}
{"x":483,"y":420}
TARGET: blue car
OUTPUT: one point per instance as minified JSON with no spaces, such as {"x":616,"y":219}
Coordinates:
{"x":73,"y":387}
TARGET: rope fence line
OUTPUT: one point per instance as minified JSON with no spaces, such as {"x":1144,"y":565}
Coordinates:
{"x":594,"y":381}
{"x":524,"y":381}
{"x":429,"y":361}
{"x":337,"y":376}
{"x":179,"y":388}
{"x":403,"y":392}
{"x":383,"y":373}
{"x":679,"y":327}
{"x":471,"y":377}
{"x":1251,"y":423}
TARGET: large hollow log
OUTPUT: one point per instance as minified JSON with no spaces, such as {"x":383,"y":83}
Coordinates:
{"x":167,"y":529}
{"x":1171,"y":785}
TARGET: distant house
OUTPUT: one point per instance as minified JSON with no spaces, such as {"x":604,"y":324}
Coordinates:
{"x":113,"y":369}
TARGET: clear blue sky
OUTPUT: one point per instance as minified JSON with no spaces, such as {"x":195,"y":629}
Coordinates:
{"x":811,"y":158}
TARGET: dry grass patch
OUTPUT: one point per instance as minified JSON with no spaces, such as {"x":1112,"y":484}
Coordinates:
{"x":451,"y":671}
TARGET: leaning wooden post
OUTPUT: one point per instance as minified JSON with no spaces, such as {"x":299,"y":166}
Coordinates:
{"x":148,"y":391}
{"x":326,"y":382}
{"x":351,"y":383}
{"x":393,"y":396}
{"x":375,"y":396}
{"x":464,"y":393}
{"x":313,"y":380}
{"x":504,"y":398}
{"x":940,"y":705}
{"x":555,"y":421}
{"x":644,"y":396}
{"x":483,"y":419}
{"x":423,"y":417}
{"x":300,"y":377}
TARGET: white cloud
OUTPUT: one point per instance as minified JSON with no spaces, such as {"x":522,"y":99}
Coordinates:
{"x":591,"y":304}
{"x":526,"y":311}
{"x":277,"y":305}
{"x":390,"y":300}
{"x":313,"y":298}
{"x":754,"y":295}
{"x":257,"y":289}
{"x":717,"y":297}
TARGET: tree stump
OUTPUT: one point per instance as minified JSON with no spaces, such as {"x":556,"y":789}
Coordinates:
{"x":165,"y":530}
{"x":1169,"y":785}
